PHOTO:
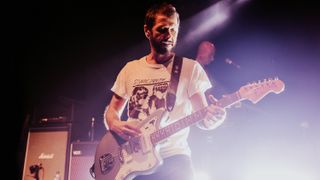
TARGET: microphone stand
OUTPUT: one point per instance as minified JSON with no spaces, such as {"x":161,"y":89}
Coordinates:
{"x":92,"y":129}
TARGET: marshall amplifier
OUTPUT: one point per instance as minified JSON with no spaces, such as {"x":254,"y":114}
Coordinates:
{"x":47,"y":151}
{"x":81,"y":159}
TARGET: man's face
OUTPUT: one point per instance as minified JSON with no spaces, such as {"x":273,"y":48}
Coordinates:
{"x":206,"y":54}
{"x":141,"y":94}
{"x":164,"y":33}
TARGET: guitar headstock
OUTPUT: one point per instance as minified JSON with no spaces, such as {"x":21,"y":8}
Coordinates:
{"x":256,"y":91}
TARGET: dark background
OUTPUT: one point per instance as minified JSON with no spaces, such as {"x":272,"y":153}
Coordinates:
{"x":67,"y":54}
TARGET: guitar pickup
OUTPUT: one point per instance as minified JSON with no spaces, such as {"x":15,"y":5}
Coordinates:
{"x":145,"y":147}
{"x":106,"y":163}
{"x":135,"y":144}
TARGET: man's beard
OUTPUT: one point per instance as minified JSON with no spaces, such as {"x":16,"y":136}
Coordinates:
{"x":159,"y":48}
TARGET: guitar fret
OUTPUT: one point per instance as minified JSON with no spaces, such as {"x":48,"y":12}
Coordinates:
{"x":229,"y":100}
{"x":167,"y":131}
{"x":178,"y":125}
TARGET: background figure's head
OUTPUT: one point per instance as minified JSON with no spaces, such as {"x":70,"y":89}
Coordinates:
{"x":161,"y":27}
{"x":206,"y":53}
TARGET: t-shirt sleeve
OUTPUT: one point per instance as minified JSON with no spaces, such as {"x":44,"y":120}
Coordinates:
{"x":119,"y":86}
{"x":199,"y":81}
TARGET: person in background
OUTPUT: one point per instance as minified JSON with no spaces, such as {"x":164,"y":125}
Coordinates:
{"x":205,"y":55}
{"x":206,"y":52}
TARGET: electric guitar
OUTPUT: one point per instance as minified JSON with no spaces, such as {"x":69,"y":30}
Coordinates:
{"x":117,"y":159}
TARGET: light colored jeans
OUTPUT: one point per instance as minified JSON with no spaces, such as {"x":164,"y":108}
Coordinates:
{"x":178,"y":167}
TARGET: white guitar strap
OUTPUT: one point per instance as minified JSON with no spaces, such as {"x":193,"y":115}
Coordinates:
{"x":174,"y":81}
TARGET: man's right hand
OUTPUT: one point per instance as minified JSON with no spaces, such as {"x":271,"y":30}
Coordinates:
{"x":125,"y":129}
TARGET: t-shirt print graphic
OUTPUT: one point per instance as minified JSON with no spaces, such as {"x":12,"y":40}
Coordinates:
{"x":146,"y":98}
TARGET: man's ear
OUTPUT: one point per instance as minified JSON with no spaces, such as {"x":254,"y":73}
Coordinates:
{"x":146,"y":31}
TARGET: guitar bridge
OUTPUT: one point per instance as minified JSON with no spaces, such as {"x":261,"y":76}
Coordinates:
{"x":106,"y":163}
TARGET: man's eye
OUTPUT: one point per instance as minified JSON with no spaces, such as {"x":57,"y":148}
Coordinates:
{"x":162,"y":30}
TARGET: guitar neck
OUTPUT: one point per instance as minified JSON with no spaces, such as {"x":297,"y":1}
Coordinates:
{"x":191,"y":119}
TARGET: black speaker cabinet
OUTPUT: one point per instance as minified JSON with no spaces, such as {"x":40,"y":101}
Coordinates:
{"x":81,"y":160}
{"x":47,"y":152}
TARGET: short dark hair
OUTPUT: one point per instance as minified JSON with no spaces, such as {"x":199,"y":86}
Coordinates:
{"x":164,"y":9}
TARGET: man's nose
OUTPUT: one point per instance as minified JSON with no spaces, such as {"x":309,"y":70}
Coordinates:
{"x":168,"y":34}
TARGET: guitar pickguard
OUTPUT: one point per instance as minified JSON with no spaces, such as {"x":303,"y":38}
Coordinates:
{"x":118,"y":159}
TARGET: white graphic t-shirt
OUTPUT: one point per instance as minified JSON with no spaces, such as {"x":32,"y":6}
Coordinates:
{"x":145,"y":85}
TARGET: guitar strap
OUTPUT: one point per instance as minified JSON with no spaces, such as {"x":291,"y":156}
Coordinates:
{"x":174,"y":81}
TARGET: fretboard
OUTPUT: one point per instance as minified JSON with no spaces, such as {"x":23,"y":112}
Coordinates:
{"x":191,"y":119}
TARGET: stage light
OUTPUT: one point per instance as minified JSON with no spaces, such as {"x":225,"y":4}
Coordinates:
{"x":201,"y":175}
{"x":207,"y":20}
{"x":275,"y":167}
{"x":215,"y":16}
{"x":267,"y":173}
